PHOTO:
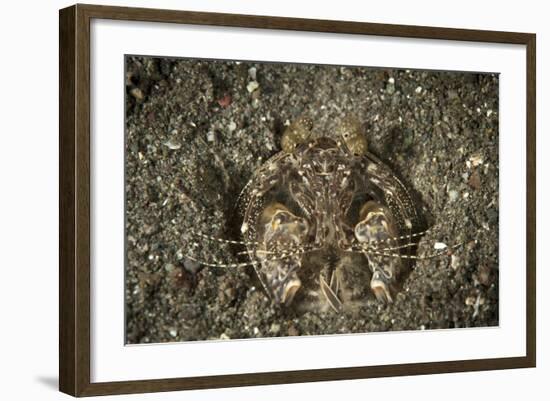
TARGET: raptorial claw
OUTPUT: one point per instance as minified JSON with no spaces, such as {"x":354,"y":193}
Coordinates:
{"x":377,"y":225}
{"x":282,"y":230}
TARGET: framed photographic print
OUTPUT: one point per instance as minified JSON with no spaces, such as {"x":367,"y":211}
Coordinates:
{"x":252,"y":200}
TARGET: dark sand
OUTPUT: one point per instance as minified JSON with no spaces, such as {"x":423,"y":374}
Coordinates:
{"x":196,"y":132}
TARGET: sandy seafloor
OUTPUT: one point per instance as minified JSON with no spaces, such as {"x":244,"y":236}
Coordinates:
{"x":196,"y":131}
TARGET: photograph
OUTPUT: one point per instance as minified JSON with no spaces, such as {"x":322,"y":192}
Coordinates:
{"x":268,"y":199}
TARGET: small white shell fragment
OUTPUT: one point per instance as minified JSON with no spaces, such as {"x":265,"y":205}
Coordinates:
{"x":453,"y":195}
{"x":418,"y":89}
{"x":275,"y":328}
{"x":252,"y":73}
{"x":489,"y":112}
{"x":391,"y":80}
{"x":171,"y":144}
{"x":454,"y":262}
{"x":372,"y":167}
{"x":252,"y":86}
{"x":476,"y":160}
{"x":210,"y":137}
{"x":173,"y":332}
{"x":244,"y":228}
{"x":232,"y":126}
{"x":440,"y":246}
{"x":476,"y":306}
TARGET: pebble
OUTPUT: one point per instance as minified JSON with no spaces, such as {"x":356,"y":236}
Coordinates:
{"x":252,"y":86}
{"x":453,"y":195}
{"x":292,"y":331}
{"x":484,"y":274}
{"x":137,"y":93}
{"x":479,"y":301}
{"x":210,"y":136}
{"x":275,"y":328}
{"x":232,"y":126}
{"x":173,"y":332}
{"x":191,"y":266}
{"x":475,"y":181}
{"x":418,"y":89}
{"x":230,"y":293}
{"x":476,"y":160}
{"x":452,"y":94}
{"x":440,"y":245}
{"x":390,"y":87}
{"x":173,"y":145}
{"x":225,"y":101}
{"x":455,"y":262}
{"x":252,"y":73}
